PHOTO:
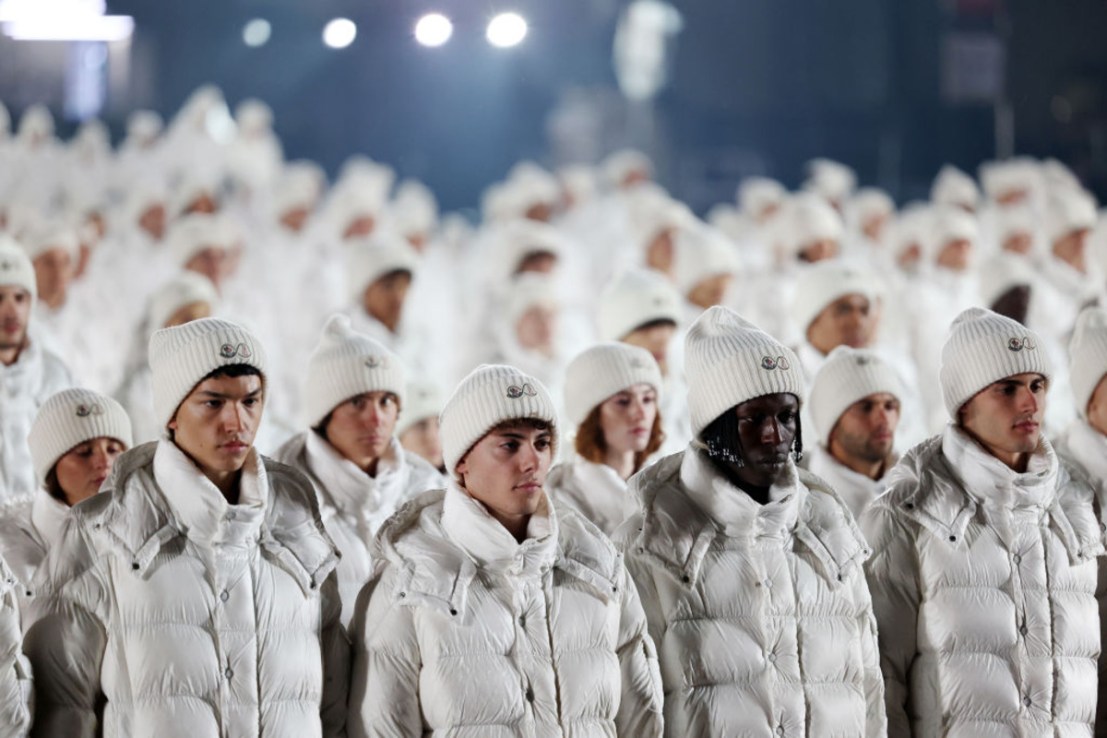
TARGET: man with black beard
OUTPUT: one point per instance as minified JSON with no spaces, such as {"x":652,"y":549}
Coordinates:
{"x":29,"y":374}
{"x":855,"y":408}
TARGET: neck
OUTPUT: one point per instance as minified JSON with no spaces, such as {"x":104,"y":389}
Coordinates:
{"x":227,"y":482}
{"x":758,"y":490}
{"x":622,"y":462}
{"x":52,"y":301}
{"x":516,"y":525}
{"x":1017,"y":461}
{"x":370,"y":466}
{"x":874,"y":470}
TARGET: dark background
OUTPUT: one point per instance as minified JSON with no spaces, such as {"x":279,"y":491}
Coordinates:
{"x":757,"y":86}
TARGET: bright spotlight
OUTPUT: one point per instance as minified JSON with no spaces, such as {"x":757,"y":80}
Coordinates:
{"x":506,"y":29}
{"x":433,"y":29}
{"x":339,"y":33}
{"x":256,"y":32}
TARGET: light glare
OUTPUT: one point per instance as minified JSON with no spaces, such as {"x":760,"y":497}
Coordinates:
{"x":339,"y":33}
{"x":107,"y":28}
{"x":506,"y":30}
{"x":433,"y":29}
{"x":256,"y":32}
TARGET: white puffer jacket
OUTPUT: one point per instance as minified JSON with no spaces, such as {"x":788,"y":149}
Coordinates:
{"x":15,"y":669}
{"x":855,"y":489}
{"x":760,"y":612}
{"x":191,"y":617}
{"x":596,"y":491}
{"x":24,"y":386}
{"x":983,"y":582}
{"x":353,"y":504}
{"x":467,"y":633}
{"x":29,"y":527}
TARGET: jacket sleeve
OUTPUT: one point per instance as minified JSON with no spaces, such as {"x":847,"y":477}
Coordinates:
{"x":335,"y":647}
{"x":893,"y":584}
{"x":384,"y":687}
{"x":642,"y":705}
{"x":66,"y":638}
{"x":15,"y":669}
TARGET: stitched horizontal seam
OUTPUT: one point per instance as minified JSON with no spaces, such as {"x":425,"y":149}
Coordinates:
{"x":850,"y":683}
{"x":310,"y":699}
{"x":801,"y":616}
{"x":204,"y":627}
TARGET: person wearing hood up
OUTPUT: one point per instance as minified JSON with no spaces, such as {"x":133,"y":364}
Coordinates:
{"x":529,"y":333}
{"x":195,"y":194}
{"x":611,"y":398}
{"x":361,"y":473}
{"x":749,"y":568}
{"x":75,"y":440}
{"x":53,"y":253}
{"x":418,"y":428}
{"x":29,"y":372}
{"x":187,"y":297}
{"x":869,"y":213}
{"x":832,"y":181}
{"x":983,"y":572}
{"x":855,"y":411}
{"x":196,"y":595}
{"x":493,"y":610}
{"x":641,"y":308}
{"x":295,"y":195}
{"x":705,"y":267}
{"x":1070,"y":278}
{"x":202,"y":243}
{"x":956,"y":188}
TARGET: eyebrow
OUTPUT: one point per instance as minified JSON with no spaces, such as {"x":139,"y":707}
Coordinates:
{"x":519,"y":435}
{"x":221,"y":396}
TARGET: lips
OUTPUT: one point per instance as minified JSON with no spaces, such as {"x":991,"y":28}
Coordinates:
{"x":529,"y":487}
{"x":235,"y":447}
{"x":1028,"y":426}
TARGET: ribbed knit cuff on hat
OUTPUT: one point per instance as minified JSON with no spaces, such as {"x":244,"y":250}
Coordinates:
{"x":605,"y":370}
{"x":70,"y":418}
{"x":847,"y":376}
{"x":1088,"y":356}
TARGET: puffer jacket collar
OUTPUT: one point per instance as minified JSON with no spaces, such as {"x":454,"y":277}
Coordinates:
{"x":994,"y":484}
{"x":135,"y":516}
{"x":1089,"y":447}
{"x":680,"y":497}
{"x":48,"y":517}
{"x":436,"y":571}
{"x":469,"y":524}
{"x":932,"y":494}
{"x":350,"y":489}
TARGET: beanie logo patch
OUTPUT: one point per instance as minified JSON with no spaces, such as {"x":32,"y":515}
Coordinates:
{"x":376,"y":362}
{"x":83,"y":411}
{"x":1018,"y":344}
{"x":637,"y":363}
{"x":230,"y":351}
{"x":514,"y":392}
{"x":768,"y":363}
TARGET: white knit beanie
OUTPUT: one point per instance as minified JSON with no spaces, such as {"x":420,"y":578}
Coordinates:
{"x":16,"y":269}
{"x":192,"y":234}
{"x":490,"y":395}
{"x":1069,"y":211}
{"x":183,"y":355}
{"x":68,"y":419}
{"x":635,"y":298}
{"x":605,"y":370}
{"x":728,"y":361}
{"x":984,"y":347}
{"x":805,"y":219}
{"x":1088,"y":356}
{"x":848,"y":375}
{"x":818,"y":285}
{"x":700,"y":253}
{"x":422,"y":399}
{"x":527,"y":290}
{"x":376,"y":256}
{"x":184,"y":289}
{"x":954,"y":187}
{"x":346,"y":364}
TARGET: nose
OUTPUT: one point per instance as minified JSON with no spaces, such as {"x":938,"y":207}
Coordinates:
{"x":637,"y":411}
{"x":771,"y":433}
{"x":528,"y":457}
{"x":1027,"y":400}
{"x":102,"y":460}
{"x":234,"y":418}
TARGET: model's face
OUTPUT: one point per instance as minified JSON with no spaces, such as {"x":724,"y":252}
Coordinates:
{"x":361,"y":428}
{"x":359,"y":226}
{"x":188,"y":313}
{"x":766,"y":431}
{"x":874,"y":226}
{"x":53,"y":273}
{"x":821,"y":250}
{"x":424,"y":440}
{"x":1072,"y":248}
{"x":655,"y":338}
{"x":539,"y":262}
{"x":15,"y":313}
{"x":384,"y":299}
{"x":1006,"y":417}
{"x":214,"y":262}
{"x":84,"y":468}
{"x":294,"y":218}
{"x":866,"y":431}
{"x":626,"y":419}
{"x":506,"y":470}
{"x":536,"y":329}
{"x":1019,"y":242}
{"x":711,"y":291}
{"x":954,"y":255}
{"x":1097,"y":407}
{"x":540,"y":211}
{"x":217,"y":422}
{"x":848,"y":321}
{"x":659,"y":252}
{"x":152,"y":221}
{"x":204,"y":203}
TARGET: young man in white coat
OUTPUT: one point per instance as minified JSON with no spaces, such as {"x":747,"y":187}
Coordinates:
{"x":29,"y":373}
{"x":493,"y":613}
{"x":983,"y":572}
{"x":855,"y":410}
{"x":196,"y":596}
{"x":749,"y":568}
{"x":361,"y":473}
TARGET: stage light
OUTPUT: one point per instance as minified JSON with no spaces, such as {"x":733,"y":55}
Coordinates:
{"x":339,"y":33}
{"x":506,"y":30}
{"x":257,"y":32}
{"x":433,"y":29}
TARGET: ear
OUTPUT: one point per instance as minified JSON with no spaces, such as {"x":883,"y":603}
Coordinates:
{"x":172,"y":424}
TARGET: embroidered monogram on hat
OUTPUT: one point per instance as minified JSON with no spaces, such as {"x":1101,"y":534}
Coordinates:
{"x":375,"y":362}
{"x":83,"y":411}
{"x":515,"y":391}
{"x":230,"y":350}
{"x":1018,"y":344}
{"x":769,"y":363}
